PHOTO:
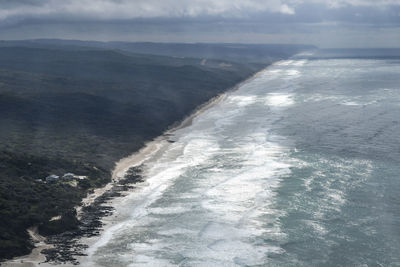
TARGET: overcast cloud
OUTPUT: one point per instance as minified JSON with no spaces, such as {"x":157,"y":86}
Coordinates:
{"x":322,"y":22}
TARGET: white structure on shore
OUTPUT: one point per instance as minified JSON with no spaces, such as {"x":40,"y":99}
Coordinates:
{"x":68,"y":176}
{"x":52,"y":178}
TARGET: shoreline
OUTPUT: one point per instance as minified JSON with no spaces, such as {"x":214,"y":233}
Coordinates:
{"x":152,"y":147}
{"x":147,"y":152}
{"x":161,"y":142}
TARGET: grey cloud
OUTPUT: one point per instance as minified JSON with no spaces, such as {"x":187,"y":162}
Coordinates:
{"x":124,"y":9}
{"x":12,"y":11}
{"x":306,"y":21}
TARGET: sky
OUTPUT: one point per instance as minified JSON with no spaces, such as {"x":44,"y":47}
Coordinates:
{"x":325,"y":23}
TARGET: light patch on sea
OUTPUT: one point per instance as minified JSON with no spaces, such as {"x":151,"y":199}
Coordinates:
{"x":279,"y":100}
{"x":346,"y":100}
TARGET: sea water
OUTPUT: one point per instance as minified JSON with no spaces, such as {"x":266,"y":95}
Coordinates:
{"x":298,"y":167}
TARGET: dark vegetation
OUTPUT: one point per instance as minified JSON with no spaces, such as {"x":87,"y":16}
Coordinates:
{"x":254,"y":53}
{"x":80,"y":106}
{"x":66,"y":244}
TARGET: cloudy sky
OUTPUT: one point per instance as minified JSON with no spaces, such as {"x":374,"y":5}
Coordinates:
{"x":326,"y":23}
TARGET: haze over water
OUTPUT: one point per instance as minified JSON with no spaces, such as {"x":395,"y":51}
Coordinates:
{"x":298,"y":167}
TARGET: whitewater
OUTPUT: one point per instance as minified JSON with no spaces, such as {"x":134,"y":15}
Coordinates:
{"x":297,"y":167}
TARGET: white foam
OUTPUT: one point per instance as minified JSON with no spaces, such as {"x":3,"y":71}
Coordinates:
{"x":321,"y":97}
{"x":284,"y":63}
{"x":300,"y":63}
{"x":351,"y":103}
{"x":175,"y":231}
{"x":279,"y":100}
{"x":275,"y":71}
{"x":318,"y":227}
{"x":172,"y":210}
{"x":293,"y":73}
{"x":146,"y":261}
{"x":207,"y":198}
{"x":242,"y":100}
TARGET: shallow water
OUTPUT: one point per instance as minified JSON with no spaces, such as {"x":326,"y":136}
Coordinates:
{"x":298,"y":167}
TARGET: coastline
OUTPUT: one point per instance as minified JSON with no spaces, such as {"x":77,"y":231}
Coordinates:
{"x":152,"y":150}
{"x":147,"y":152}
{"x":152,"y":147}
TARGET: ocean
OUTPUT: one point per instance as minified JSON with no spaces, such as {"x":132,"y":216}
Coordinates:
{"x":297,"y":167}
